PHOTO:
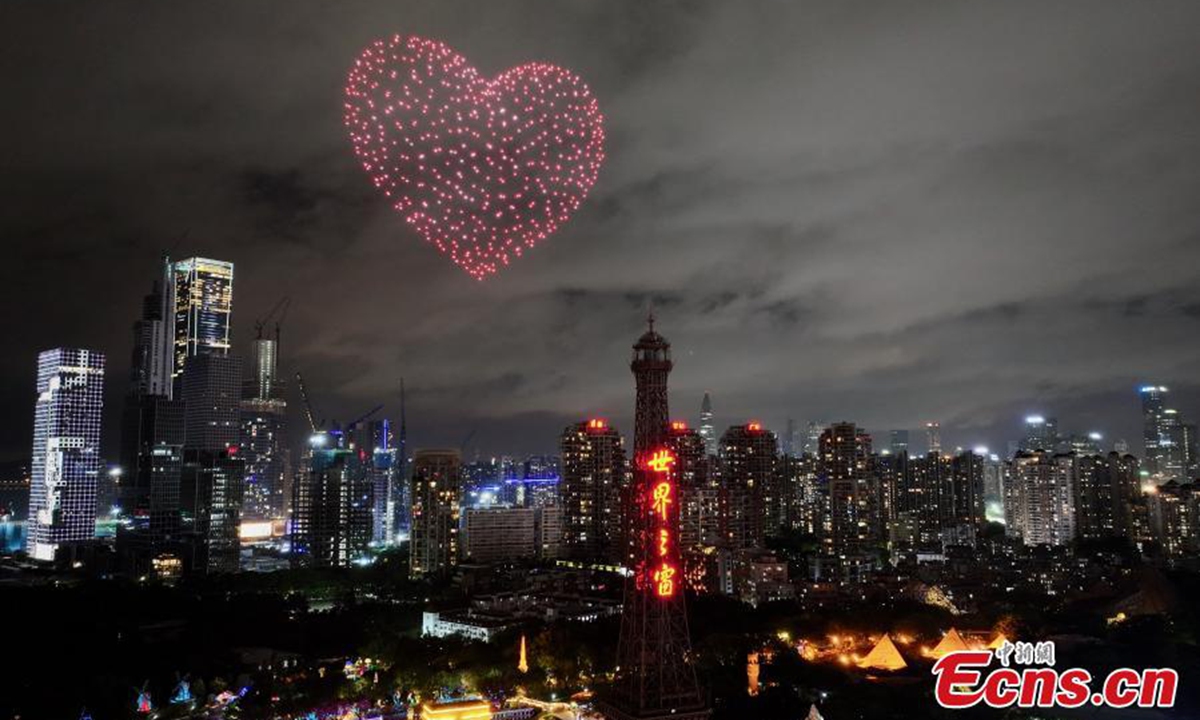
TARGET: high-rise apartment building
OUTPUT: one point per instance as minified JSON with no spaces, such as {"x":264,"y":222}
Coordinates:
{"x":593,"y":479}
{"x":1173,"y":510}
{"x":66,"y":450}
{"x":921,"y":491}
{"x":1107,"y":487}
{"x":436,"y":504}
{"x":751,"y":497}
{"x":491,"y":535}
{"x":805,"y":497}
{"x":697,"y":488}
{"x":845,"y":461}
{"x":332,"y":504}
{"x":1039,"y":503}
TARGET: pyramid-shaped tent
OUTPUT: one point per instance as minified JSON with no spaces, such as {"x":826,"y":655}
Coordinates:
{"x":951,"y":642}
{"x":813,"y":713}
{"x":997,"y":641}
{"x":884,"y":656}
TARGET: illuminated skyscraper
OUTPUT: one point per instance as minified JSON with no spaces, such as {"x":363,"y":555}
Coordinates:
{"x":697,"y":491}
{"x":593,"y":475}
{"x":963,"y":511}
{"x":332,"y":504}
{"x":899,"y":442}
{"x":751,"y":501}
{"x":707,"y":432}
{"x":1039,"y":502}
{"x":1153,"y":405}
{"x":66,"y":450}
{"x":263,"y":432}
{"x":845,"y":462}
{"x":1173,"y":511}
{"x":921,"y":492}
{"x":933,"y":437}
{"x":1170,"y":442}
{"x":1106,"y":488}
{"x":375,"y":443}
{"x":1041,"y":433}
{"x":436,"y":504}
{"x":202,"y":302}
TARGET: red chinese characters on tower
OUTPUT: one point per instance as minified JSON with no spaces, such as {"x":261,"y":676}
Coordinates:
{"x":661,"y":501}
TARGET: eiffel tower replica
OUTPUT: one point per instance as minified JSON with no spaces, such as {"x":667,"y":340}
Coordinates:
{"x":655,"y":675}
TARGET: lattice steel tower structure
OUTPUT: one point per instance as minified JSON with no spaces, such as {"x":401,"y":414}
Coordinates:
{"x":655,"y":676}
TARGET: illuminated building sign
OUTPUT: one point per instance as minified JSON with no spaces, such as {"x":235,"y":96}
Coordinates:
{"x":457,"y":710}
{"x":597,"y":424}
{"x":662,"y":563}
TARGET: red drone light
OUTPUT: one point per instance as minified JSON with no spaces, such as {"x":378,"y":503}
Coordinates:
{"x":483,"y":169}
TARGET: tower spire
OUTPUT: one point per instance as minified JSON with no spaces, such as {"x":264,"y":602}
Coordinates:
{"x":655,"y":678}
{"x":650,"y":366}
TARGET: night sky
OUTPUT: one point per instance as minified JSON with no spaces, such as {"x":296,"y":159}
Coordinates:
{"x":882,"y":212}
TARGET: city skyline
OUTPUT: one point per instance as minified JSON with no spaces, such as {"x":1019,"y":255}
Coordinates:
{"x":600,"y":360}
{"x":947,"y":242}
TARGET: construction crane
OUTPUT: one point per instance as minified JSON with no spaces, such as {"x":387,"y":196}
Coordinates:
{"x":365,"y":416}
{"x":281,"y":307}
{"x":308,"y":411}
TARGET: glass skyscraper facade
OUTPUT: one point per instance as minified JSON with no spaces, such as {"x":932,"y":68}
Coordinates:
{"x":202,"y":302}
{"x":1170,"y":441}
{"x":66,"y":450}
{"x":264,"y":434}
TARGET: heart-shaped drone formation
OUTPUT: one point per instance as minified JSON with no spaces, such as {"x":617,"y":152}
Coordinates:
{"x":483,"y":169}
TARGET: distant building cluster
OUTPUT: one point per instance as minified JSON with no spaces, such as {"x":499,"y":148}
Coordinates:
{"x":205,"y":481}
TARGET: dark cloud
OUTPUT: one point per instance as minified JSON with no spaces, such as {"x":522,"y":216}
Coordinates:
{"x":865,"y":210}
